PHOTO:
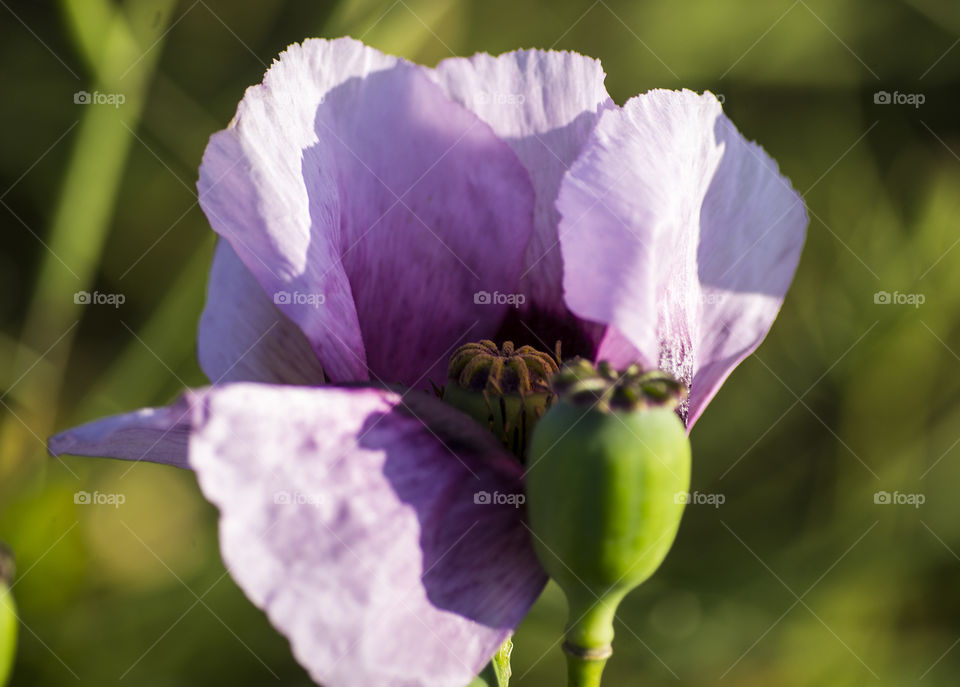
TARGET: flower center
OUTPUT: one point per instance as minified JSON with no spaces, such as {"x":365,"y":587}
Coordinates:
{"x":508,"y":370}
{"x":505,"y":388}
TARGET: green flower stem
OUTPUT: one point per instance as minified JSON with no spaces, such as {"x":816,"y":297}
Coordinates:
{"x":8,"y":632}
{"x":584,"y":672}
{"x":588,"y":639}
{"x":8,"y":616}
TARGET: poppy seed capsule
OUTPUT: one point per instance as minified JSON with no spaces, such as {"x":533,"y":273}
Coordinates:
{"x":8,"y":615}
{"x":606,"y":464}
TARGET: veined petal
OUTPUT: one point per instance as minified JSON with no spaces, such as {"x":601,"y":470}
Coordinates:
{"x":682,"y":235}
{"x":350,"y":517}
{"x":244,"y":337}
{"x":349,"y":176}
{"x":156,"y":435}
{"x":544,"y":104}
{"x":382,"y":534}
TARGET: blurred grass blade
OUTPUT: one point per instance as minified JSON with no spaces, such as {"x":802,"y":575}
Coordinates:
{"x":122,"y":62}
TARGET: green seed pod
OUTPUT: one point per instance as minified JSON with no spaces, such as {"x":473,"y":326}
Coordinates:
{"x":8,"y":616}
{"x":606,"y":464}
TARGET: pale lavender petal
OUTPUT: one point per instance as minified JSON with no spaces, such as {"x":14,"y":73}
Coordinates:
{"x":682,"y":235}
{"x":617,"y":349}
{"x":264,"y":188}
{"x":544,"y":104}
{"x":243,"y":336}
{"x":348,"y":175}
{"x":349,"y":516}
{"x":156,"y":435}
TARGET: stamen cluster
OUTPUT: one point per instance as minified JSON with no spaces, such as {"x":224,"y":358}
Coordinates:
{"x":506,"y":388}
{"x":481,"y":366}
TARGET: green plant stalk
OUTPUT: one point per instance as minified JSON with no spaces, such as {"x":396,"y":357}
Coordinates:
{"x":588,"y":638}
{"x":8,"y":632}
{"x":9,"y":621}
{"x":584,"y":672}
{"x":121,"y":62}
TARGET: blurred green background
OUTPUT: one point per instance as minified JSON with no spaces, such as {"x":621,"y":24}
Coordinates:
{"x":799,"y":578}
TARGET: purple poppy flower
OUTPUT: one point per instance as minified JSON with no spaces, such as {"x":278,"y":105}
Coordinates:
{"x":374,"y":215}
